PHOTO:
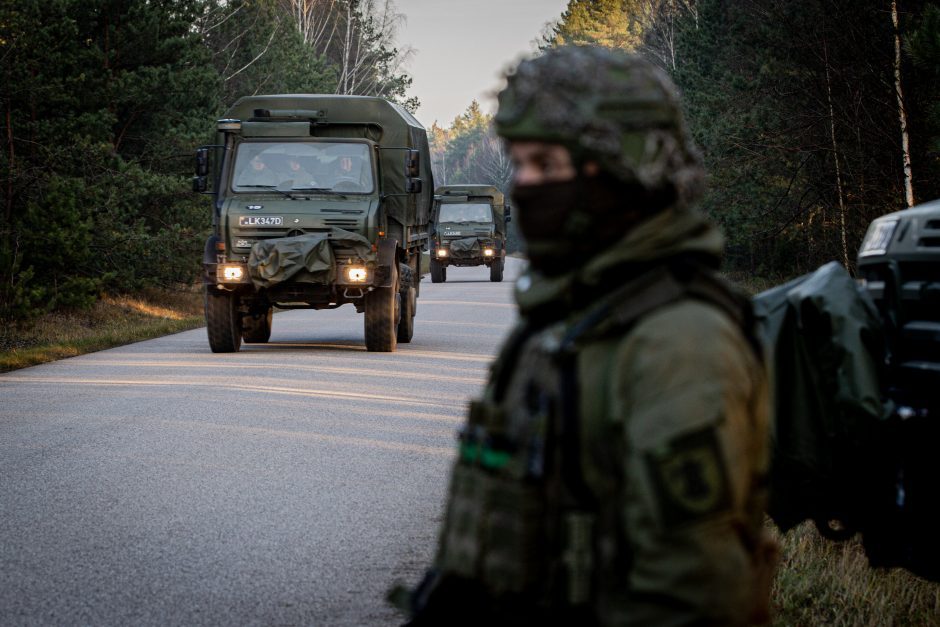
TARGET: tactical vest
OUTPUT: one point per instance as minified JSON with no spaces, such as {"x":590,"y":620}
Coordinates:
{"x":523,"y":519}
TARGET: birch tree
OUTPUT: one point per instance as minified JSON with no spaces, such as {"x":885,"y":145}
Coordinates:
{"x":902,"y":113}
{"x":662,"y":20}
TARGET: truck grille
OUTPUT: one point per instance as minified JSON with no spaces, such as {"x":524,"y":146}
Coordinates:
{"x":342,"y":223}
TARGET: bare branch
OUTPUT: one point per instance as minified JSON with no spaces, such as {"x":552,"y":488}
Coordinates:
{"x":258,"y":56}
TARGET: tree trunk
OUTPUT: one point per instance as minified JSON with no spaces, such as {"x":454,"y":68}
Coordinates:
{"x":8,"y":209}
{"x":902,"y":113}
{"x":835,"y":155}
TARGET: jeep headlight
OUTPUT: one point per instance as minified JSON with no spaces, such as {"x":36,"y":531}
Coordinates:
{"x":441,"y":252}
{"x":357,"y":274}
{"x":487,"y":252}
{"x":231,"y":273}
{"x":878,"y":237}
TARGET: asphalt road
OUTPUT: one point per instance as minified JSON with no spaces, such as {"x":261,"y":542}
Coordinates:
{"x":288,"y":484}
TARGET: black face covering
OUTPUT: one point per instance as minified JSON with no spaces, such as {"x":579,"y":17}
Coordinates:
{"x":543,"y":212}
{"x":566,"y":223}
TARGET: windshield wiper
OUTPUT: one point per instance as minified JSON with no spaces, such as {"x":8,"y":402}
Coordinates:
{"x":271,"y":188}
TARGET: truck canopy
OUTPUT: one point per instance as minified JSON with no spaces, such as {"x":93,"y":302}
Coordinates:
{"x":352,"y":117}
{"x":478,"y":193}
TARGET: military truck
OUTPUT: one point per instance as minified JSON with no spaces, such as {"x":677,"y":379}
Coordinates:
{"x":319,"y":201}
{"x":468,"y":228}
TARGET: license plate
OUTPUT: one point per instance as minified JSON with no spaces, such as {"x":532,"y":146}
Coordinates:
{"x":260,"y":220}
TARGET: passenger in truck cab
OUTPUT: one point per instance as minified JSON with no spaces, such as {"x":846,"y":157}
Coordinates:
{"x":347,"y":171}
{"x":299,"y":175}
{"x":257,"y":174}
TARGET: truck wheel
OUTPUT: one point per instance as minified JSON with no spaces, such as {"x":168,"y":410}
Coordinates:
{"x":383,"y":310}
{"x":222,"y":322}
{"x":256,"y":327}
{"x":406,"y":326}
{"x":496,"y":270}
{"x":437,"y":272}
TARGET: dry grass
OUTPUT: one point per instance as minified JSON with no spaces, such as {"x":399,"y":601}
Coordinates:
{"x":752,"y":284}
{"x":825,"y":583}
{"x":113,"y":321}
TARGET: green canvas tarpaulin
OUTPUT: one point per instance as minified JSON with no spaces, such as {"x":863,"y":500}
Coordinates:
{"x":466,"y":247}
{"x":305,"y":258}
{"x":825,"y":347}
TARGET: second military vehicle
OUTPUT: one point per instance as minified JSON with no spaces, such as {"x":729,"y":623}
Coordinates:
{"x":468,"y":228}
{"x":319,"y":201}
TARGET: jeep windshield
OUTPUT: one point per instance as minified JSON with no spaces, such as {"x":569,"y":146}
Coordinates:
{"x":465,"y":212}
{"x":340,"y":167}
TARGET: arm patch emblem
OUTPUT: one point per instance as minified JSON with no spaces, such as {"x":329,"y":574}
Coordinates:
{"x":689,"y":478}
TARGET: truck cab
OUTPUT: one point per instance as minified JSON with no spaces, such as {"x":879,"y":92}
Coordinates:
{"x":468,"y":228}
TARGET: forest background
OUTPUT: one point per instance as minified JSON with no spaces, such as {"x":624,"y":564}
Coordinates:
{"x":814,"y":116}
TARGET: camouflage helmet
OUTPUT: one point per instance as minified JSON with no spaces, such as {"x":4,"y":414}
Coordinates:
{"x":607,"y":106}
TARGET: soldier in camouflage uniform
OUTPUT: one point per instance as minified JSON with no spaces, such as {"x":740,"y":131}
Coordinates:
{"x":611,"y":472}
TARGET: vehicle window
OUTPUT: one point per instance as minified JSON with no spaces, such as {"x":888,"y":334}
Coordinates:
{"x":465,"y":212}
{"x":323,"y":166}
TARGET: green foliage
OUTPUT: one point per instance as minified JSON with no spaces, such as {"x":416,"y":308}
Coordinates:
{"x":256,"y":49}
{"x":795,"y":109}
{"x":103,"y":97}
{"x":611,"y":23}
{"x":103,"y":103}
{"x":923,"y":46}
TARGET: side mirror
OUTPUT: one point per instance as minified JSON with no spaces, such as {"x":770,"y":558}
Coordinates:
{"x":412,"y":163}
{"x":202,"y":162}
{"x":200,"y":184}
{"x":413,"y":186}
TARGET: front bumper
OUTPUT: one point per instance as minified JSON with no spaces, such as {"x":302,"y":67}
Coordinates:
{"x":483,"y":254}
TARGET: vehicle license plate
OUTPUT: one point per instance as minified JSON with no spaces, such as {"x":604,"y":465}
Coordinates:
{"x":260,"y":220}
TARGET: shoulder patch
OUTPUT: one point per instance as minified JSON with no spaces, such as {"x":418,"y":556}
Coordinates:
{"x":689,"y":478}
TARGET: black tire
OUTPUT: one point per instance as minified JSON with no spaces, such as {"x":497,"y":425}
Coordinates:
{"x":496,"y":271}
{"x":256,"y":327}
{"x":383,"y":310}
{"x":406,"y":326}
{"x":222,"y":322}
{"x":437,"y":272}
{"x":444,"y":274}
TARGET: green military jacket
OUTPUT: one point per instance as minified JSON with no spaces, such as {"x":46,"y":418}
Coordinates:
{"x":614,"y":462}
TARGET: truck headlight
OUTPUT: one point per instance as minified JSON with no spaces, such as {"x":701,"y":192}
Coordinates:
{"x":231,"y":273}
{"x":357,"y":274}
{"x":487,"y":252}
{"x":878,"y":238}
{"x":441,"y":252}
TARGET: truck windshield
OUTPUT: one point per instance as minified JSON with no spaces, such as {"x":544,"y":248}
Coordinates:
{"x":465,"y":212}
{"x":320,"y":166}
